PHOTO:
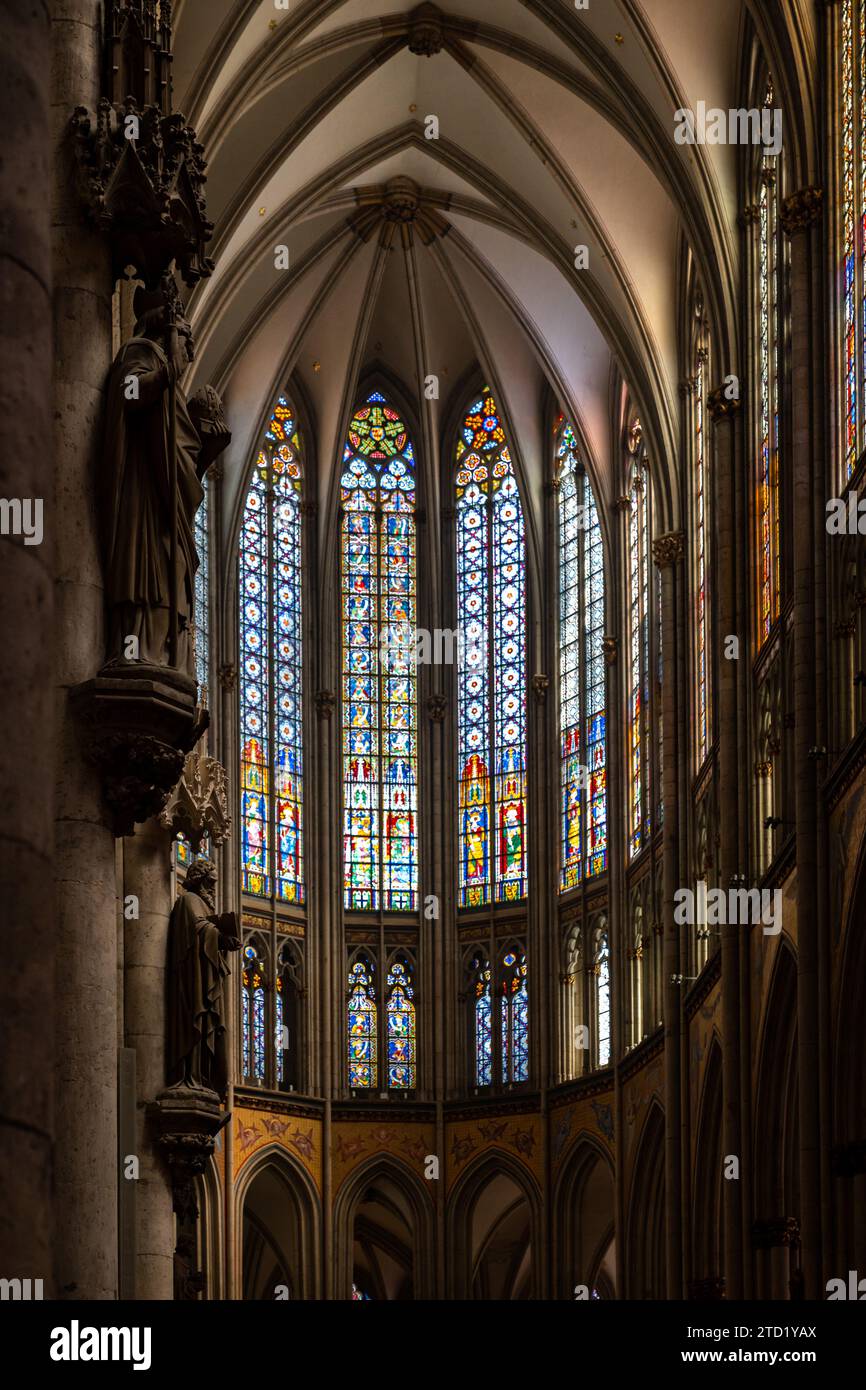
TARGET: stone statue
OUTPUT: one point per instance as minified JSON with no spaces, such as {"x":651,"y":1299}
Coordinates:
{"x":158,"y":447}
{"x":199,"y":941}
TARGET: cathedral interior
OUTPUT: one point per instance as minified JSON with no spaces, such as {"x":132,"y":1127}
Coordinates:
{"x":433,"y":603}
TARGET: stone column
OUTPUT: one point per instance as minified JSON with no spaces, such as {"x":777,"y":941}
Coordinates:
{"x":86,"y":1073}
{"x":147,"y":876}
{"x":723,"y":412}
{"x":27,"y":755}
{"x":800,"y":214}
{"x":668,"y":553}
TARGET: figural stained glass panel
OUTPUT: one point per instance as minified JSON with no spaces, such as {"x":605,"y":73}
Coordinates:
{"x":401,"y":1028}
{"x":271,"y":668}
{"x":379,"y":706}
{"x":702,"y":673}
{"x":514,"y":1018}
{"x":638,"y":637}
{"x":583,"y":733}
{"x":491,"y":680}
{"x":362,"y":1027}
{"x":768,"y":464}
{"x":482,"y":1022}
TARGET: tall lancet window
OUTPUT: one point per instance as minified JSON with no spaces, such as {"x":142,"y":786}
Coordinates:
{"x":768,"y":463}
{"x":582,"y":711}
{"x":401,"y":1027}
{"x":363,"y":1036}
{"x":491,"y":680}
{"x":852,"y":140}
{"x":514,"y":1018}
{"x":703,"y":664}
{"x":482,"y":1021}
{"x":271,"y":733}
{"x":639,"y":726}
{"x":379,"y":613}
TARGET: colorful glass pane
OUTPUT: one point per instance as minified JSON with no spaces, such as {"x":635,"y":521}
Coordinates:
{"x":768,"y":464}
{"x":401,"y":1028}
{"x":201,"y":611}
{"x":491,"y":679}
{"x":279,"y":1032}
{"x":602,"y":966}
{"x":362,"y":1027}
{"x":702,"y":695}
{"x":271,"y":668}
{"x":253,"y":1016}
{"x":514,"y":1016}
{"x":582,"y":712}
{"x":379,"y":614}
{"x":849,"y":238}
{"x":638,"y":637}
{"x":483,"y":1024}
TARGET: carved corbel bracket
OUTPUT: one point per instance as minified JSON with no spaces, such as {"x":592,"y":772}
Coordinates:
{"x":187,"y":1121}
{"x":138,"y":722}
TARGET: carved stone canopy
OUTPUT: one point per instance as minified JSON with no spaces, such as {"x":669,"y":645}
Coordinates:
{"x":198,"y":805}
{"x":141,"y":170}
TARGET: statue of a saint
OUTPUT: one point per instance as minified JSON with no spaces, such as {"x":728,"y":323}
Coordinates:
{"x":199,"y":941}
{"x":158,"y":447}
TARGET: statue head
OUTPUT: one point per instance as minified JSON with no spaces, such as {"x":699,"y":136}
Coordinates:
{"x":201,"y":874}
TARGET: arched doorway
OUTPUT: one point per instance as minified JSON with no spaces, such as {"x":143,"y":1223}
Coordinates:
{"x":382,"y":1243}
{"x":494,"y":1225}
{"x":278,"y":1227}
{"x":584,"y":1225}
{"x":645,"y":1266}
{"x":707,"y":1218}
{"x":384,"y":1232}
{"x":777,"y":1135}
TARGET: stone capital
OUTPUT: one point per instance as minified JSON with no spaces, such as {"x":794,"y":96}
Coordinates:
{"x":801,"y":210}
{"x":669,"y":549}
{"x":720,"y":406}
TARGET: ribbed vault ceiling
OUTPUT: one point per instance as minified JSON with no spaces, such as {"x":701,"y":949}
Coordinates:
{"x":455,"y":257}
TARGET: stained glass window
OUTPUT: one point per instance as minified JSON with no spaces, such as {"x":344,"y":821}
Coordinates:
{"x":514,"y":1018}
{"x":638,"y":647}
{"x":491,"y":680}
{"x":702,"y":673}
{"x":253,"y":1015}
{"x":271,"y":666}
{"x":768,"y":464}
{"x":852,"y":243}
{"x":362,"y":1027}
{"x":602,"y":999}
{"x":583,"y":786}
{"x":380,"y":730}
{"x":401,"y":1027}
{"x":482,"y":1022}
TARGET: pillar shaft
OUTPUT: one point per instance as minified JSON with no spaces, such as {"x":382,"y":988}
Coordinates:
{"x":86,"y":1025}
{"x":27,"y":1045}
{"x":734,"y":936}
{"x":668,"y":551}
{"x":147,"y":878}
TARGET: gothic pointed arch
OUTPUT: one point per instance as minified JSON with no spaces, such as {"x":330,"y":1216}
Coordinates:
{"x":494,"y":1226}
{"x":384,"y":1224}
{"x":278,"y":1215}
{"x":583,"y":1226}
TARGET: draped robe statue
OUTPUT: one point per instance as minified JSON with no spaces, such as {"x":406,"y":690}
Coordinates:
{"x":199,"y":941}
{"x":136,"y":485}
